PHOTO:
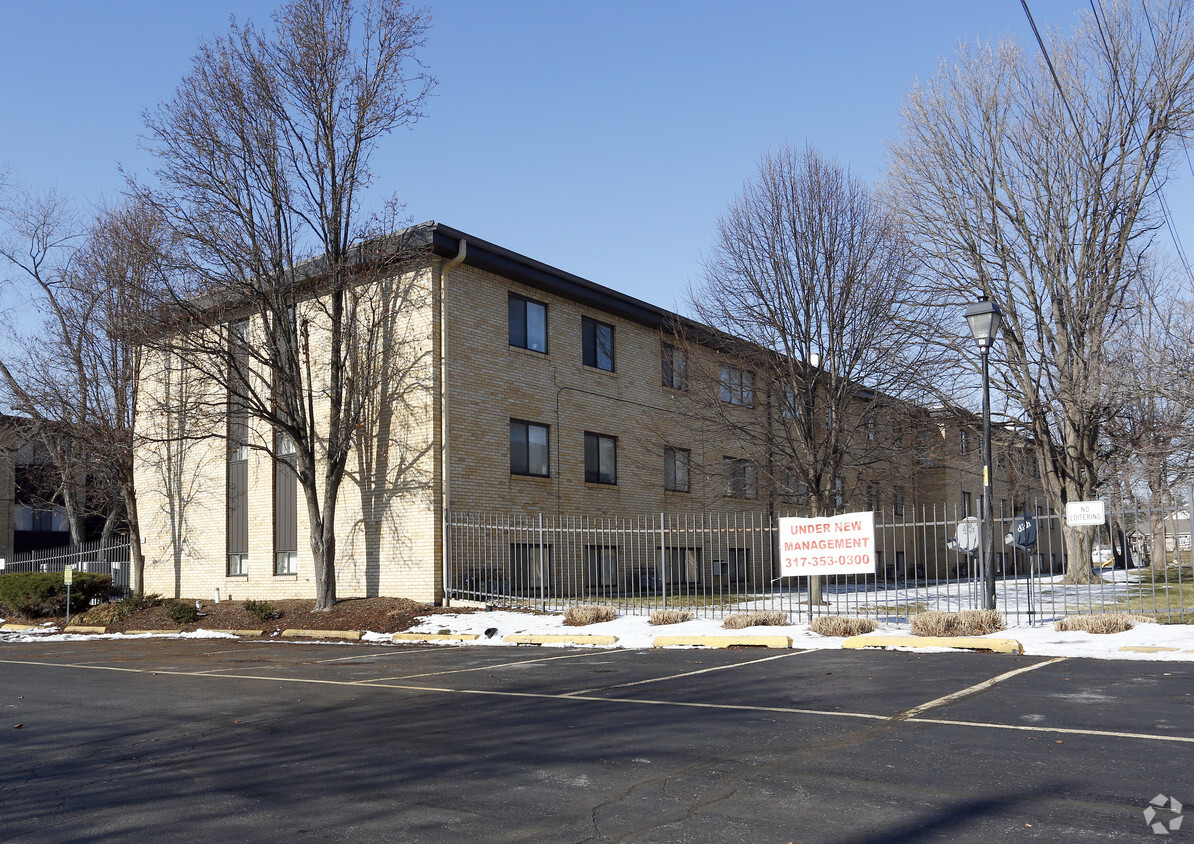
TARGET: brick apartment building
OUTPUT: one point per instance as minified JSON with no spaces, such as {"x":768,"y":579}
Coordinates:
{"x":542,"y":393}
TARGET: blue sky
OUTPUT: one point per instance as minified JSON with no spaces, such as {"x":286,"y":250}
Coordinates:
{"x":601,"y":138}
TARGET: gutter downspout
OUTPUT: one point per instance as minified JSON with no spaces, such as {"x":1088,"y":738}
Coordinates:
{"x":445,"y":466}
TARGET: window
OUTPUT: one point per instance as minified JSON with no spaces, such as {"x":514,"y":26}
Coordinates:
{"x":736,"y":567}
{"x":839,"y":493}
{"x":872,"y":497}
{"x":529,"y":449}
{"x":674,"y":365}
{"x":963,"y":441}
{"x":737,"y":386}
{"x":682,"y":565}
{"x":598,"y":341}
{"x":602,"y":565}
{"x":870,"y":428}
{"x":528,"y":324}
{"x":788,"y":407}
{"x":238,"y":565}
{"x":1002,"y":508}
{"x":52,"y":519}
{"x":675,"y":469}
{"x":285,"y":508}
{"x":740,"y":477}
{"x":967,"y":504}
{"x":530,"y":566}
{"x":794,"y":487}
{"x":897,"y":500}
{"x":601,"y":459}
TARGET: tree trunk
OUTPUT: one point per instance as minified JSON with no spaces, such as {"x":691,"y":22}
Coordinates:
{"x":1079,"y":545}
{"x":136,"y":557}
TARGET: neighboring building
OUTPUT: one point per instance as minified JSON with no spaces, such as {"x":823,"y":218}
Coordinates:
{"x":544,"y":393}
{"x":30,"y":516}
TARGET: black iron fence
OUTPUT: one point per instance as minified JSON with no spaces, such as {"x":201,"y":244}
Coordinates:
{"x":97,"y":556}
{"x":716,"y":564}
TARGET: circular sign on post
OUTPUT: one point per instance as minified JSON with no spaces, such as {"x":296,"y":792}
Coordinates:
{"x":1024,"y":530}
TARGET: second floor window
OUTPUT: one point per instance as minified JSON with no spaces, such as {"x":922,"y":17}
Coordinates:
{"x":741,"y":481}
{"x":529,"y":447}
{"x":737,"y":386}
{"x":528,"y":324}
{"x":601,"y":459}
{"x":675,"y":469}
{"x":597,"y":338}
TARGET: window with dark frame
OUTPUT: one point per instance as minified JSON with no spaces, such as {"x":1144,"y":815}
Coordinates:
{"x":740,"y":477}
{"x":676,"y":464}
{"x":967,"y":503}
{"x":530,"y":449}
{"x":601,"y":459}
{"x":897,"y":500}
{"x":674,"y":366}
{"x":285,"y":508}
{"x":528,"y":323}
{"x":737,"y":386}
{"x":597,"y":340}
{"x":602,"y":565}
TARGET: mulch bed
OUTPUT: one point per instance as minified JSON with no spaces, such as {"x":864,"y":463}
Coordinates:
{"x":377,"y":615}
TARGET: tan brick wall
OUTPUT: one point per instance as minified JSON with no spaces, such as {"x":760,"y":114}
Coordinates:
{"x":386,"y":518}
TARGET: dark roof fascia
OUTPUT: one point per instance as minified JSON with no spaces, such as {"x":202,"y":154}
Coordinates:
{"x":501,"y":261}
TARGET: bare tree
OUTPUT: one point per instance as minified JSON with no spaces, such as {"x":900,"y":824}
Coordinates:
{"x":1149,"y":442}
{"x":78,"y":380}
{"x":1036,"y":185}
{"x":45,"y":376}
{"x":291,"y":296}
{"x":810,"y":271}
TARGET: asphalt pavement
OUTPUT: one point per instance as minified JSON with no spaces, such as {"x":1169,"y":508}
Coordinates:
{"x":220,"y":740}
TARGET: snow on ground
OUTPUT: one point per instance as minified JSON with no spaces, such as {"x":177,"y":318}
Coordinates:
{"x":633,"y":631}
{"x":1048,"y":597}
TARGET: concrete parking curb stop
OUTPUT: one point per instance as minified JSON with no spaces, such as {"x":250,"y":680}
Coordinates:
{"x":84,"y":628}
{"x":241,"y":632}
{"x":17,"y":628}
{"x":436,"y":637}
{"x":724,"y":641}
{"x":967,"y":643}
{"x":173,"y":632}
{"x":1149,"y":649}
{"x":353,"y":635}
{"x":559,"y":639}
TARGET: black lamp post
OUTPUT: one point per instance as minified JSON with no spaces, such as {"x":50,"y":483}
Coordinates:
{"x":984,"y":316}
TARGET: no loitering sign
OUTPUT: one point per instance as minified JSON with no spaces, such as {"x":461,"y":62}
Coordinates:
{"x":842,"y":544}
{"x":1085,"y":513}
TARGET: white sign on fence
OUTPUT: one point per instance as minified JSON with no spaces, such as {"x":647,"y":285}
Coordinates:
{"x":829,"y":545}
{"x":1081,"y":513}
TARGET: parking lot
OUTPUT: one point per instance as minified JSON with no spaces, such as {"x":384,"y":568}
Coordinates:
{"x":220,"y":740}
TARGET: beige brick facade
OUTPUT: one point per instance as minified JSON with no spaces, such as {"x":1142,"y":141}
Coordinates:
{"x":390,"y":519}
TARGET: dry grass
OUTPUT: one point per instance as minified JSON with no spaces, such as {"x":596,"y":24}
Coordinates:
{"x":580,"y":616}
{"x":837,"y":625}
{"x":671,"y":616}
{"x":1109,"y":622}
{"x":762,"y":618}
{"x":965,"y":623}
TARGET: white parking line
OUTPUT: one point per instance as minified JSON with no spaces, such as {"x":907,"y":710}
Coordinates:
{"x":975,"y":689}
{"x":574,"y":698}
{"x":495,"y":665}
{"x":686,"y":673}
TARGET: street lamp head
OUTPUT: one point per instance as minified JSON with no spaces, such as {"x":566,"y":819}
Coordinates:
{"x":984,"y":316}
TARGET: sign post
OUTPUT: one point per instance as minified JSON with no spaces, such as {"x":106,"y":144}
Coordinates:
{"x":68,"y":577}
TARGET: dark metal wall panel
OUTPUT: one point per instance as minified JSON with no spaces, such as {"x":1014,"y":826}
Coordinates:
{"x":285,"y":505}
{"x":238,"y":507}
